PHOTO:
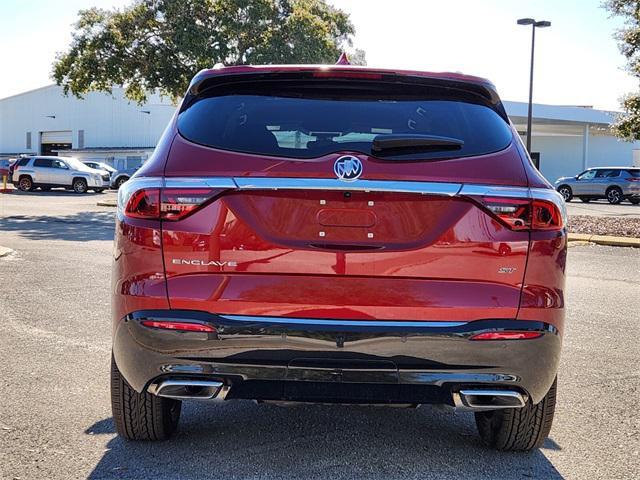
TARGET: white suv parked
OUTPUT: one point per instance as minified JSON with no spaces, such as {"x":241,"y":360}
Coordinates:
{"x":67,"y":172}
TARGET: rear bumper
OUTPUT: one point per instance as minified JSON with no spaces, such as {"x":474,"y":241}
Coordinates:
{"x":287,"y":359}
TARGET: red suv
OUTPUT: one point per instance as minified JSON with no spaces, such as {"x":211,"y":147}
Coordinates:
{"x":339,"y":234}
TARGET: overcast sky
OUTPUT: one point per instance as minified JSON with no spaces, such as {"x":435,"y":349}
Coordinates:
{"x":577,"y":60}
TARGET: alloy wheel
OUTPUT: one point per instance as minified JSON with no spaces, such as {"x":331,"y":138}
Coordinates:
{"x":79,"y":186}
{"x":566,"y":193}
{"x":25,"y":184}
{"x":613,"y":196}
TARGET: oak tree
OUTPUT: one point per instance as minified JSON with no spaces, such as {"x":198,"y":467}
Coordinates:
{"x":162,"y":44}
{"x":627,"y":125}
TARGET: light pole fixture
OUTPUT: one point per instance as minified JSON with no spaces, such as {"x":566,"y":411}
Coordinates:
{"x":534,"y":24}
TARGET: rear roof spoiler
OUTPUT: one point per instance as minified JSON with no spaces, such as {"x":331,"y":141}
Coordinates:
{"x":206,"y":79}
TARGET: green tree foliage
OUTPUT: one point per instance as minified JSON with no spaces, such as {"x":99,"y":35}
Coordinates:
{"x":627,"y":125}
{"x":162,"y":44}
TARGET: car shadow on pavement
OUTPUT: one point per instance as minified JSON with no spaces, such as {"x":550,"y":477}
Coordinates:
{"x":81,"y":226}
{"x":243,"y":440}
{"x":56,"y":193}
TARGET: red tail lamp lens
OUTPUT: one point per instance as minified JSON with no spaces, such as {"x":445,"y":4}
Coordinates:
{"x":506,"y":335}
{"x":144,"y":203}
{"x":181,"y":326}
{"x":546,"y":216}
{"x":167,"y":203}
{"x":525,"y":214}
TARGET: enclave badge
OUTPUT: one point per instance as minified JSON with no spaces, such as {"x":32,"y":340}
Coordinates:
{"x":347,"y":168}
{"x":203,"y":263}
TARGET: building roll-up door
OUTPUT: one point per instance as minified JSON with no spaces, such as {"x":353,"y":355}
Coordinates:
{"x":61,"y":136}
{"x":53,"y":142}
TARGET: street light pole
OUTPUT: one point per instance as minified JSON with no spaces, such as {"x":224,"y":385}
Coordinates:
{"x":534,"y":24}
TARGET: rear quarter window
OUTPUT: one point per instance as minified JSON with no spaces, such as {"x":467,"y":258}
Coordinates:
{"x":43,"y":162}
{"x":303,"y":122}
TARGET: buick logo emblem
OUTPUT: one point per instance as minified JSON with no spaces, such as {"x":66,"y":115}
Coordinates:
{"x":347,"y":168}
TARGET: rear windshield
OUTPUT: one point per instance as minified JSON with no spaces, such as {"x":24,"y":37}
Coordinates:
{"x":634,"y":173}
{"x":303,"y":122}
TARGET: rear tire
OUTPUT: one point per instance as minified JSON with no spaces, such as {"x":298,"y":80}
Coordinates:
{"x":518,"y":429}
{"x":634,"y":201}
{"x":566,"y":192}
{"x":25,"y":183}
{"x":614,"y":195}
{"x":141,"y":416}
{"x":98,"y":190}
{"x":585,"y":199}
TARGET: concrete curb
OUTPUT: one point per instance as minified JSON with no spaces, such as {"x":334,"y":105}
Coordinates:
{"x":107,"y":204}
{"x":4,"y":251}
{"x":605,"y":240}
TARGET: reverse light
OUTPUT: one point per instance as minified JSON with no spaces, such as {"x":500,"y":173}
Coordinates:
{"x":516,"y":213}
{"x":167,"y":203}
{"x":180,"y":326}
{"x":505,"y":335}
{"x":177,"y":203}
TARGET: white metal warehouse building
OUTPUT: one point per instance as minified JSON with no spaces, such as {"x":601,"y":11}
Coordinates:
{"x":99,"y":127}
{"x":110,"y":128}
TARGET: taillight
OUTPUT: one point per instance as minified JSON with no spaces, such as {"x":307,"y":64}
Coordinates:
{"x":545,"y":215}
{"x":177,"y":203}
{"x":524,"y":214}
{"x":180,"y":326}
{"x":633,"y":179}
{"x":144,"y":203}
{"x":505,"y":335}
{"x":167,"y":203}
{"x":515,"y":213}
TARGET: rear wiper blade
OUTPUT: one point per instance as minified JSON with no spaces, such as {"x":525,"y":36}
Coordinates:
{"x":415,"y":142}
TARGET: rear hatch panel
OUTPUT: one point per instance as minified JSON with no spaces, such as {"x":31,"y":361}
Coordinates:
{"x":292,"y":240}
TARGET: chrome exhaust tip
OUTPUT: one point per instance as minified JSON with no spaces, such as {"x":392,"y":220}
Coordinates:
{"x":189,"y":389}
{"x":476,"y":400}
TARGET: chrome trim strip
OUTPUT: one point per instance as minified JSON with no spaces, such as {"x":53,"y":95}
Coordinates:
{"x":277,"y":183}
{"x":494,"y":191}
{"x":345,"y":323}
{"x":200,"y":182}
{"x":286,"y":183}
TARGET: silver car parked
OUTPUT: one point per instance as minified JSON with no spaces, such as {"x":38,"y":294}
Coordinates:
{"x":613,"y":183}
{"x":48,"y":172}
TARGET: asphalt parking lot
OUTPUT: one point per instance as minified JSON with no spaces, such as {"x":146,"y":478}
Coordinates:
{"x":55,"y":419}
{"x":602,"y":208}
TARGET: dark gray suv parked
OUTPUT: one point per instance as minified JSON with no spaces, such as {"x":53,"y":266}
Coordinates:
{"x":613,"y":183}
